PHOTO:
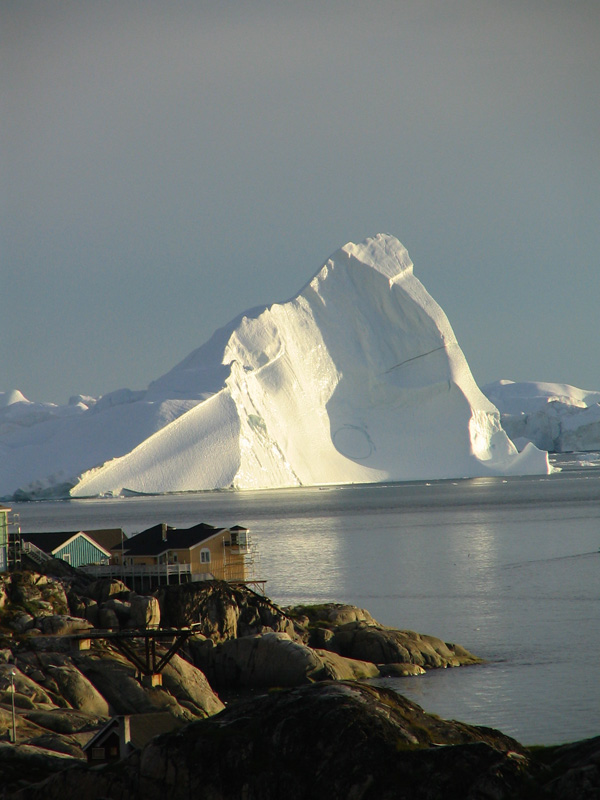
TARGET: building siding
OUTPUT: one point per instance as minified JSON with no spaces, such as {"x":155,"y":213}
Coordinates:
{"x":81,"y":552}
{"x":227,"y":562}
{"x":3,"y":540}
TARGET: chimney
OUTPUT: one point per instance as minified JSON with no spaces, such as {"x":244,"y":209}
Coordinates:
{"x":124,"y":735}
{"x":164,"y":531}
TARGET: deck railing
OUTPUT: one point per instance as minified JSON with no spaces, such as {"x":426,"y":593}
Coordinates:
{"x":162,"y":572}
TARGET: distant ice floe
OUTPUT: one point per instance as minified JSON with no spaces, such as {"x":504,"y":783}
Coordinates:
{"x":554,"y":416}
{"x":357,"y":379}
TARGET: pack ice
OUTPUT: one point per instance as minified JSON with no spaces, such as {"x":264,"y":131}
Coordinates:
{"x":357,"y":379}
{"x":554,"y":416}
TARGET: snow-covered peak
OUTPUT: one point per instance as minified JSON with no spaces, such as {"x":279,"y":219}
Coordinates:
{"x":12,"y":397}
{"x":383,"y":253}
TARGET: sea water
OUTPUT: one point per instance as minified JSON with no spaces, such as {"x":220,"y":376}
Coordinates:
{"x":509,"y":568}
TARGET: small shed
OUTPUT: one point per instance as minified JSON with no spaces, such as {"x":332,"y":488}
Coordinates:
{"x":123,"y":734}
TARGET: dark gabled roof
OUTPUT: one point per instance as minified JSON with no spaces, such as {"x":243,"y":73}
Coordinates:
{"x":108,"y":538}
{"x":142,"y":728}
{"x":50,"y":542}
{"x":151,"y":542}
{"x":100,"y":735}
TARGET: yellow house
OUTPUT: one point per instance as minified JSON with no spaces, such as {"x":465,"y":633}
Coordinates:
{"x":201,"y":552}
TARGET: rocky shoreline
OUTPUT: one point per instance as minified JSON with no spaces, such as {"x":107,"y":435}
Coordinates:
{"x":264,"y":702}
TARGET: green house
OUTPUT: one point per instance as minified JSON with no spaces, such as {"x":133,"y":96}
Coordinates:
{"x":4,"y":538}
{"x":74,"y":547}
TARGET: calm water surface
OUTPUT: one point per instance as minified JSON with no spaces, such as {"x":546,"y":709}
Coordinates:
{"x":510,"y":568}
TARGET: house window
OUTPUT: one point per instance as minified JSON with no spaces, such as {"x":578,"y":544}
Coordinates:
{"x":205,"y":556}
{"x":66,"y":557}
{"x":175,"y":558}
{"x":98,"y":753}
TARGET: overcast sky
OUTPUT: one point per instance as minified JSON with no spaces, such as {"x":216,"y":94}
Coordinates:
{"x":166,"y":165}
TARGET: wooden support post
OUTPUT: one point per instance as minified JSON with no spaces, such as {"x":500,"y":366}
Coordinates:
{"x":152,"y":681}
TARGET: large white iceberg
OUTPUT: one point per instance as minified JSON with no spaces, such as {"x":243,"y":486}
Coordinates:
{"x":554,"y":416}
{"x":357,"y":379}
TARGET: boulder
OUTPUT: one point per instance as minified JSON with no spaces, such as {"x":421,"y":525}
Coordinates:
{"x":25,"y":729}
{"x":272,"y":659}
{"x":64,"y":720}
{"x":389,"y":646}
{"x":190,"y":687}
{"x":85,"y":607}
{"x":144,"y":611}
{"x":39,"y":594}
{"x":20,"y":700}
{"x":329,"y":615}
{"x":22,"y":622}
{"x":63,"y":625}
{"x":24,"y":685}
{"x":23,"y":765}
{"x":78,"y":691}
{"x":39,"y":644}
{"x":92,"y":613}
{"x":103,"y":589}
{"x":400,"y":670}
{"x":107,"y":619}
{"x":67,"y":745}
{"x":115,"y":678}
{"x":121,"y":609}
{"x":339,"y":668}
{"x":221,"y":611}
{"x":4,"y":589}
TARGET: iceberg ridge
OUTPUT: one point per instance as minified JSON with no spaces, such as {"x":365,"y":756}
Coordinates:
{"x":357,"y":379}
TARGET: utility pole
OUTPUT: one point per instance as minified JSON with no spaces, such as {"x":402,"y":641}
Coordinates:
{"x":12,"y":690}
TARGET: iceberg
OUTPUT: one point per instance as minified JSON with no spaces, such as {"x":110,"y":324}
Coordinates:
{"x":553,"y":416}
{"x":357,"y":379}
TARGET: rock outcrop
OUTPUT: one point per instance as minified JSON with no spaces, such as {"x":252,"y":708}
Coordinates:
{"x":383,"y":645}
{"x":319,"y":739}
{"x":353,"y":633}
{"x":272,"y":659}
{"x":332,"y":740}
{"x":221,"y":611}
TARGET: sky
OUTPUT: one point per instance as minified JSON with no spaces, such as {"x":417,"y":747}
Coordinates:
{"x":167,"y":165}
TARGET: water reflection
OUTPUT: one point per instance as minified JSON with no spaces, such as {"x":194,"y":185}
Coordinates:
{"x":507,"y":568}
{"x":317,"y":556}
